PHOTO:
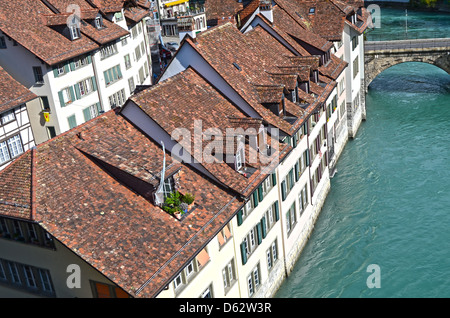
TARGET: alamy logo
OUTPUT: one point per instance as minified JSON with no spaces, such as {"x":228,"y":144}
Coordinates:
{"x":375,"y":16}
{"x":374,"y":279}
{"x":74,"y":279}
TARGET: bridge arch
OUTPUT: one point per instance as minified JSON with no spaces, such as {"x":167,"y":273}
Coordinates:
{"x":383,"y":55}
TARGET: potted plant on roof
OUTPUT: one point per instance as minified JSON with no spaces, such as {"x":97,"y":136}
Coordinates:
{"x":189,"y":199}
{"x":172,"y":204}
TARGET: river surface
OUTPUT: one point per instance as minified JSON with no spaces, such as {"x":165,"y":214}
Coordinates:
{"x":389,"y":203}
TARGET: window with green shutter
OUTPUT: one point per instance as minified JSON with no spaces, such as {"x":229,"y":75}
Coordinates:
{"x":244,"y":252}
{"x":277,"y":211}
{"x":260,"y":193}
{"x":283,"y":190}
{"x":72,"y":121}
{"x":263,"y":227}
{"x":259,"y":233}
{"x":239,"y":217}
{"x":274,"y":178}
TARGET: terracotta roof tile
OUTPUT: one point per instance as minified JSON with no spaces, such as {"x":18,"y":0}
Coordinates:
{"x":194,"y":98}
{"x":89,"y":208}
{"x":38,"y":28}
{"x":12,"y":93}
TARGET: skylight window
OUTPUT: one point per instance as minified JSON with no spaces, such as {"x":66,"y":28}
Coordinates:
{"x":237,"y":66}
{"x":312,"y":10}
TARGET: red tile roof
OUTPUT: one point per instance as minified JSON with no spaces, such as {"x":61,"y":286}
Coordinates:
{"x":221,"y":11}
{"x":12,"y":93}
{"x":197,"y":100}
{"x":91,"y":211}
{"x":255,"y":65}
{"x":37,"y":27}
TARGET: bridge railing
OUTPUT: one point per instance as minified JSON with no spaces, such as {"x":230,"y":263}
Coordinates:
{"x":407,"y":44}
{"x":413,"y":35}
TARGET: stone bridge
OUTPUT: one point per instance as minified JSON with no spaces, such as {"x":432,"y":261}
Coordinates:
{"x":380,"y":55}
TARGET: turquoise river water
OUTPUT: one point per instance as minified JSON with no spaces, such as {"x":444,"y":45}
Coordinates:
{"x":389,"y":203}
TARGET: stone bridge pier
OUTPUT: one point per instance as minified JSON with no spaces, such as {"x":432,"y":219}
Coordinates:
{"x":381,"y":55}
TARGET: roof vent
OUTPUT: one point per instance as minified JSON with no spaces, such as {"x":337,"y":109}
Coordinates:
{"x":237,"y":66}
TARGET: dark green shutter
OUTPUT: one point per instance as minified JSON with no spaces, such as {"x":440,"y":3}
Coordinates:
{"x":114,"y":71}
{"x":72,"y":93}
{"x":255,"y":199}
{"x":277,"y":211}
{"x":119,"y":73}
{"x":105,"y":73}
{"x":72,"y":121}
{"x":307,"y":157}
{"x":77,"y":91}
{"x":72,"y":66}
{"x":263,"y":227}
{"x":99,"y":108}
{"x":274,"y":178}
{"x":239,"y":217}
{"x":66,"y":68}
{"x":243,"y":254}
{"x":260,"y":193}
{"x":87,"y":114}
{"x":294,"y":141}
{"x":89,"y":58}
{"x":259,"y":232}
{"x":297,"y":172}
{"x":94,"y":83}
{"x":61,"y":99}
{"x":55,"y":71}
{"x":283,"y":190}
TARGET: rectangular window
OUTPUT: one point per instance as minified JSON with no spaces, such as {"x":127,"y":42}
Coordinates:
{"x":45,"y":280}
{"x":13,"y":271}
{"x":112,"y":75}
{"x":29,"y":276}
{"x":66,"y":96}
{"x":178,"y":281}
{"x":51,"y":132}
{"x":15,"y":146}
{"x":118,"y":16}
{"x":253,"y":280}
{"x":74,"y":32}
{"x":2,"y":42}
{"x":228,"y":275}
{"x":137,"y":52}
{"x":127,"y":61}
{"x":355,"y":67}
{"x":354,"y":42}
{"x":38,"y":76}
{"x":272,"y":255}
{"x":303,"y":199}
{"x":124,"y":40}
{"x":291,"y":218}
{"x":85,"y":87}
{"x":2,"y":272}
{"x":131,"y":85}
{"x":4,"y":153}
{"x":108,"y":50}
{"x":117,"y":99}
{"x":7,"y":117}
{"x":92,"y":111}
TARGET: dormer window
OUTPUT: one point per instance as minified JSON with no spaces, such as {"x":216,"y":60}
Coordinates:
{"x":98,"y":21}
{"x":74,"y":32}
